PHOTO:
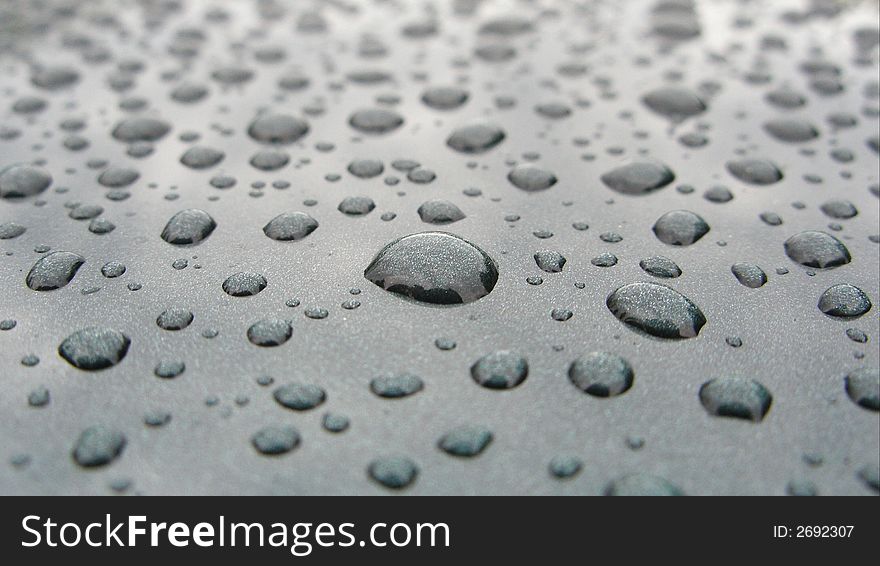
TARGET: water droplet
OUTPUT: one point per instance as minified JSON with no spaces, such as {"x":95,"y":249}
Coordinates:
{"x":10,"y":230}
{"x":500,"y":370}
{"x":290,"y":226}
{"x":335,"y":423}
{"x":169,"y":369}
{"x":356,"y":206}
{"x":201,"y":157}
{"x":275,"y":440}
{"x":98,"y":445}
{"x":844,"y":301}
{"x":817,"y":249}
{"x":840,"y":209}
{"x":440,"y":212}
{"x":530,"y":178}
{"x":674,"y":102}
{"x":375,"y":121}
{"x":680,"y":228}
{"x":189,"y":226}
{"x":299,"y":396}
{"x":22,"y":181}
{"x":394,"y":472}
{"x":755,"y":171}
{"x":601,"y":374}
{"x":366,"y":168}
{"x":141,"y":129}
{"x":279,"y":129}
{"x":749,"y":274}
{"x":563,"y":467}
{"x":54,"y":271}
{"x":604,"y":259}
{"x":244,"y":284}
{"x":466,"y":441}
{"x":863,"y":387}
{"x":549,"y":261}
{"x":638,"y":178}
{"x":656,"y":309}
{"x":174,"y":319}
{"x":791,"y":130}
{"x":94,"y":348}
{"x":736,"y":397}
{"x":434,"y":267}
{"x":445,"y":98}
{"x":269,"y":332}
{"x":476,"y":138}
{"x":659,"y":266}
{"x":394,"y":386}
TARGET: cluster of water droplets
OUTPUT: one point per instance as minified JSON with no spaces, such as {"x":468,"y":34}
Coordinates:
{"x":431,"y":226}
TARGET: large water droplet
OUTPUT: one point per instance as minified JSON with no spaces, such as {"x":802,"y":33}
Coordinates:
{"x":394,"y":386}
{"x":736,"y":397}
{"x":290,"y":226}
{"x":278,"y":129}
{"x":755,"y":171}
{"x":141,"y":129}
{"x":395,"y":472}
{"x":656,"y":309}
{"x":275,"y":440}
{"x":749,"y":274}
{"x":54,"y":270}
{"x":660,"y":266}
{"x":680,"y":228}
{"x":674,"y":102}
{"x":500,"y":370}
{"x":299,"y":396}
{"x":639,"y":178}
{"x":94,"y":348}
{"x":601,"y":374}
{"x":791,"y":130}
{"x":21,"y":181}
{"x":434,"y":267}
{"x":244,"y":284}
{"x":476,"y":138}
{"x":530,"y":178}
{"x":189,"y":226}
{"x":375,"y":121}
{"x":269,"y":332}
{"x":817,"y":249}
{"x":440,"y":212}
{"x":466,"y":441}
{"x":98,"y":445}
{"x":863,"y":387}
{"x":844,"y":301}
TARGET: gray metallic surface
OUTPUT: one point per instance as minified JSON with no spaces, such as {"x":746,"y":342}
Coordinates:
{"x":798,"y":353}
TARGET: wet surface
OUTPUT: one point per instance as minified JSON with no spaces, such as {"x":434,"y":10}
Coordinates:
{"x":439,"y":247}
